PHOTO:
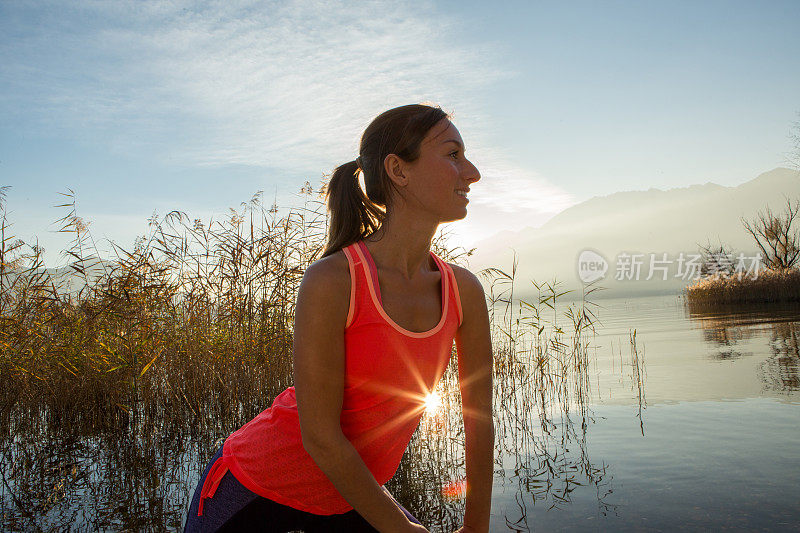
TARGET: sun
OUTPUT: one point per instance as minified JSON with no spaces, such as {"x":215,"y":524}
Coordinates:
{"x":433,"y":403}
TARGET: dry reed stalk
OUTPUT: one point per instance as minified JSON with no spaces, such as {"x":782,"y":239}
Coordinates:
{"x":172,"y":345}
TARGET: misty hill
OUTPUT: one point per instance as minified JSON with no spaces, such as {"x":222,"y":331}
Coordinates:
{"x":67,"y":279}
{"x":652,"y":221}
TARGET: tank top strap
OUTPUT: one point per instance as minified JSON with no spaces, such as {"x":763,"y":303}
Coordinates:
{"x":360,"y":302}
{"x":352,"y":264}
{"x":453,"y":287}
{"x":370,"y":269}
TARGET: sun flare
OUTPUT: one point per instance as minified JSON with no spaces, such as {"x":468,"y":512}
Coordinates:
{"x":433,"y":403}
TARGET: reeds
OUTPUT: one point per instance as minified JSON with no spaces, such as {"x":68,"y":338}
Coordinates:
{"x":188,"y":335}
{"x":120,"y":376}
{"x":769,"y":286}
{"x":543,"y":391}
{"x":173,"y":324}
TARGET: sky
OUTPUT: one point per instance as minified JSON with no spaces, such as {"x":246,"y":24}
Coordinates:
{"x":143,"y":107}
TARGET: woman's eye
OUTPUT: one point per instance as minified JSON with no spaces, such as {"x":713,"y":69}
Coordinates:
{"x":454,"y":153}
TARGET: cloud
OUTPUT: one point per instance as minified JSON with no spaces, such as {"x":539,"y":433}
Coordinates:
{"x":506,"y":188}
{"x":268,"y":84}
{"x":282,"y":85}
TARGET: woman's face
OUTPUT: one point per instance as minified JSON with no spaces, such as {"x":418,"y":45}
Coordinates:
{"x":440,"y":172}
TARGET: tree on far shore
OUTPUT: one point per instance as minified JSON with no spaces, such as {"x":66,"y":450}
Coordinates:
{"x":778,"y":241}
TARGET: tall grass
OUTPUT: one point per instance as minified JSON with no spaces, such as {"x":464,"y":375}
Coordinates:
{"x":138,"y":365}
{"x":174,"y":324}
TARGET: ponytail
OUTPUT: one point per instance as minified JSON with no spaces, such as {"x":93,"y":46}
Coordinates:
{"x":353,"y":215}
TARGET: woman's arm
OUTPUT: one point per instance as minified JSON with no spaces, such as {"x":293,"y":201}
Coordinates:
{"x":322,"y":306}
{"x":474,"y":346}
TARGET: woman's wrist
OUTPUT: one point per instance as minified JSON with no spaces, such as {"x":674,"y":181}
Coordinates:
{"x":475,"y":521}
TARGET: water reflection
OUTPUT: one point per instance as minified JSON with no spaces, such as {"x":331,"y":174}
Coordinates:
{"x":559,"y":458}
{"x":61,"y":478}
{"x":137,"y":472}
{"x":732,"y":330}
{"x":781,"y":370}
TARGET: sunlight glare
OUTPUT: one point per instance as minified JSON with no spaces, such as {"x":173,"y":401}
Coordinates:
{"x":455,"y":490}
{"x":433,"y":403}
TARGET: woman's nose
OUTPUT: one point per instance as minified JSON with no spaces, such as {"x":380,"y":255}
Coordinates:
{"x":473,"y":174}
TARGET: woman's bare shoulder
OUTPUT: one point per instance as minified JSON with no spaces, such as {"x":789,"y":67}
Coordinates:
{"x":332,"y":271}
{"x":469,"y":286}
{"x":326,"y":285}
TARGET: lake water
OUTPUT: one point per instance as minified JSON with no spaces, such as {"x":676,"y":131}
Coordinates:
{"x":708,"y":442}
{"x":694,"y":429}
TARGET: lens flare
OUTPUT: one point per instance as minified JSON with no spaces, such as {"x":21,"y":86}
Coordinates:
{"x":433,"y":403}
{"x":455,"y":490}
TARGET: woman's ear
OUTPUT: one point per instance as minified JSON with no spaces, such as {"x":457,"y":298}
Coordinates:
{"x":396,"y":169}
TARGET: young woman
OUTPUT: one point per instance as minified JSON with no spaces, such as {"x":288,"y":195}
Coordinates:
{"x":375,"y":321}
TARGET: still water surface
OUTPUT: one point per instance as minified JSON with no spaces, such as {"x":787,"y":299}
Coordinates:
{"x":710,"y":440}
{"x":698,"y":432}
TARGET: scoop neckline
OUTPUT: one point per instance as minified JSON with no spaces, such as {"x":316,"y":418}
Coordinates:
{"x":374,"y":289}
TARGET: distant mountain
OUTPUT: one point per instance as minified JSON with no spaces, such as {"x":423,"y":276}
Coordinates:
{"x":67,"y":279}
{"x":637,"y":222}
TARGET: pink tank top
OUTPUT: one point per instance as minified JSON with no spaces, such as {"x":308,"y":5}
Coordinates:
{"x":388,"y":373}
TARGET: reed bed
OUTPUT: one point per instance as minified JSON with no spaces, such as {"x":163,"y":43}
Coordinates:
{"x":184,"y":324}
{"x":768,"y":287}
{"x":121,"y":376}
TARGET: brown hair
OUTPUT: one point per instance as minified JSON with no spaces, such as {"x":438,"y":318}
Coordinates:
{"x":354,"y":214}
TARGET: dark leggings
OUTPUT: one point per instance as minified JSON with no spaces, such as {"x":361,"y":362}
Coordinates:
{"x":235,"y":508}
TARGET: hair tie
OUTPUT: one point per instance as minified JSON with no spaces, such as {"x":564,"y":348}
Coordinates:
{"x":358,"y":162}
